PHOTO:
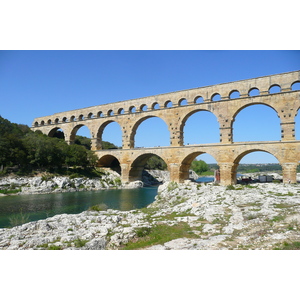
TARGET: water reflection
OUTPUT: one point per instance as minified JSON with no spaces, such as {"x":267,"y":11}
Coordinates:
{"x":47,"y":205}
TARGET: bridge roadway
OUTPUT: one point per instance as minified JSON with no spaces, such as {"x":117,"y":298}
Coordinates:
{"x":179,"y":159}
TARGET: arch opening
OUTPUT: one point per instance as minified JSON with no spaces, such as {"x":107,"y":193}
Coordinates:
{"x":274,"y":89}
{"x":297,"y":125}
{"x":256,"y":165}
{"x":150,"y":131}
{"x":109,"y":136}
{"x":121,"y":111}
{"x":143,"y":166}
{"x":100,"y":114}
{"x":132,"y":109}
{"x":198,"y":166}
{"x":155,"y":106}
{"x":295,"y":86}
{"x":81,"y":135}
{"x":111,"y":162}
{"x":254,"y":92}
{"x":57,"y":133}
{"x":182,"y":102}
{"x":234,"y":94}
{"x":200,"y":127}
{"x":199,"y":99}
{"x":216,"y":97}
{"x":256,"y":122}
{"x":168,"y":104}
{"x":144,"y":107}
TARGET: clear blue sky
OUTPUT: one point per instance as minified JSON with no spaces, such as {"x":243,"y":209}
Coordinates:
{"x":40,"y":83}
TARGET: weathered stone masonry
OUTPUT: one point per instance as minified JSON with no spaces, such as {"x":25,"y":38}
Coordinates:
{"x":130,"y":114}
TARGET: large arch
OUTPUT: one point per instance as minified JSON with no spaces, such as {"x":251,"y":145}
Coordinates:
{"x":185,"y":165}
{"x":150,"y":136}
{"x":200,"y":127}
{"x":109,"y":161}
{"x":75,"y":130}
{"x":256,"y":122}
{"x":57,"y":132}
{"x":112,"y":135}
{"x":138,"y":165}
{"x":242,"y":155}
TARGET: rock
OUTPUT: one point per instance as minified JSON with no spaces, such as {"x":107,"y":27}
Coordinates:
{"x":96,"y":244}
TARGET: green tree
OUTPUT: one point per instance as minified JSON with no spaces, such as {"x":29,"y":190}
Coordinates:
{"x":199,"y":166}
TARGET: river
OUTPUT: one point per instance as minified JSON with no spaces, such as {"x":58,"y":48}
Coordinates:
{"x":42,"y":206}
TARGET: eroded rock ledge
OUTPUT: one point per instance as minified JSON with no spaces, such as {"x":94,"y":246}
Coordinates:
{"x":258,"y":216}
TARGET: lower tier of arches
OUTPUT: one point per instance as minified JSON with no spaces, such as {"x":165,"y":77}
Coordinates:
{"x":130,"y":163}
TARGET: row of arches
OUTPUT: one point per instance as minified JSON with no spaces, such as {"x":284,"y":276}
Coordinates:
{"x":234,"y":94}
{"x":257,"y":122}
{"x":137,"y":166}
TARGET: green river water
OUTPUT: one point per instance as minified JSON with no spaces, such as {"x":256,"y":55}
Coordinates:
{"x":37,"y":207}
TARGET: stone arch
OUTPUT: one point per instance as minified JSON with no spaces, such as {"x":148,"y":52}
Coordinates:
{"x":185,"y":164}
{"x":74,"y":132}
{"x":185,"y":119}
{"x":73,"y":119}
{"x":240,"y":109}
{"x":110,"y":113}
{"x":64,"y":119}
{"x":253,"y":92}
{"x":295,"y":86}
{"x":138,"y":123}
{"x":168,"y":104}
{"x":56,"y":132}
{"x":90,"y":115}
{"x":42,"y":123}
{"x":198,"y":99}
{"x":155,"y":105}
{"x":274,"y":88}
{"x":143,"y":107}
{"x":234,"y":94}
{"x":109,"y":161}
{"x":36,"y":124}
{"x":81,"y":118}
{"x":99,"y":136}
{"x":137,"y":166}
{"x":216,"y":97}
{"x":182,"y":102}
{"x":240,"y":156}
{"x":49,"y":122}
{"x":121,"y":111}
{"x":132,"y":109}
{"x":100,"y":114}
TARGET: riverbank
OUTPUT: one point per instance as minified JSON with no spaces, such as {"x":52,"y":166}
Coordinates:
{"x":183,"y":216}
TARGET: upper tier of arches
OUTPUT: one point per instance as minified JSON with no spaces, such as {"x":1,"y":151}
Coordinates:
{"x":223,"y":92}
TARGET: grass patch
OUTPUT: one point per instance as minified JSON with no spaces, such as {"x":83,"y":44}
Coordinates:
{"x":98,"y":207}
{"x":161,"y":234}
{"x":289,"y":246}
{"x":8,"y":191}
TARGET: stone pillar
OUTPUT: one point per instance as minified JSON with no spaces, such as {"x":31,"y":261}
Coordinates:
{"x":227,"y":173}
{"x":124,"y":173}
{"x":226,"y":135}
{"x":289,"y":172}
{"x":287,"y":131}
{"x":96,"y":144}
{"x":175,"y":174}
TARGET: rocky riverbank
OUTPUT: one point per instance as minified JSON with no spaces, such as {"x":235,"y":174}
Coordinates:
{"x":183,"y":216}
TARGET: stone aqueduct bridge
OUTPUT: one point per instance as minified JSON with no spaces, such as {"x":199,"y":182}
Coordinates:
{"x":169,"y":107}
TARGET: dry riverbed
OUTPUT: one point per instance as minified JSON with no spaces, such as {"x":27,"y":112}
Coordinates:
{"x":186,"y":216}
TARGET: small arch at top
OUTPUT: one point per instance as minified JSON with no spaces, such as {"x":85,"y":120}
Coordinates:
{"x":254,"y":92}
{"x":168,"y":104}
{"x":182,"y":102}
{"x":216,"y":97}
{"x":295,"y":86}
{"x":198,"y":99}
{"x":234,"y":94}
{"x":275,"y":88}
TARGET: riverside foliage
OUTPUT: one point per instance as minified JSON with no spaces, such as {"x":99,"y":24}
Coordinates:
{"x":27,"y":150}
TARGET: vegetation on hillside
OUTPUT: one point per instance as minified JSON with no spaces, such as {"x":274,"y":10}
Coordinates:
{"x":25,"y":150}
